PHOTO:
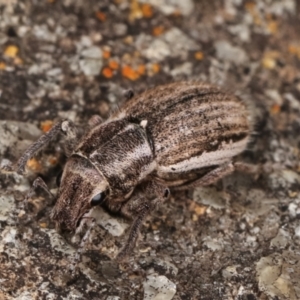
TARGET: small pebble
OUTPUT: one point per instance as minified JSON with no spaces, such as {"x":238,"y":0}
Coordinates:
{"x":158,"y":288}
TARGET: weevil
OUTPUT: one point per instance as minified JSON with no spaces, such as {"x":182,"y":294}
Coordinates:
{"x":171,"y":137}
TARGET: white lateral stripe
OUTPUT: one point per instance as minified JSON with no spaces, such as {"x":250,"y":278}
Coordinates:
{"x":207,"y":159}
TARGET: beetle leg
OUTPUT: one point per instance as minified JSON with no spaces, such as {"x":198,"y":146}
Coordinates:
{"x":248,"y":168}
{"x":209,"y":178}
{"x":256,"y":169}
{"x":72,"y":136}
{"x":128,"y":94}
{"x":35,"y":147}
{"x":218,"y":173}
{"x":66,"y":127}
{"x":140,"y":208}
{"x":94,"y":121}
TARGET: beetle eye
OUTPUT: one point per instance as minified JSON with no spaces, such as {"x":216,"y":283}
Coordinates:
{"x":98,"y":199}
{"x":58,"y":178}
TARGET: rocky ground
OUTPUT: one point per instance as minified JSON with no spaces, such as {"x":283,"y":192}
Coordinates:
{"x":238,"y":239}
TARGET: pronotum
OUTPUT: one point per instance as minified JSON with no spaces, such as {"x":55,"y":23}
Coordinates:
{"x":174,"y":136}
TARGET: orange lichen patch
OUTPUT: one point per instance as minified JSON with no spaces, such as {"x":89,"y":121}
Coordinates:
{"x":295,"y":50}
{"x":141,"y":69}
{"x":147,"y":10}
{"x":272,"y":24}
{"x":275,"y":109}
{"x":135,"y":11}
{"x":128,"y":39}
{"x":257,"y":19}
{"x":155,"y":226}
{"x":2,"y":65}
{"x":11,"y":51}
{"x":155,"y":68}
{"x":34,"y":165}
{"x":107,"y":72}
{"x":53,"y":160}
{"x":101,"y":16}
{"x":269,"y":59}
{"x":130,"y":73}
{"x":199,"y":55}
{"x":269,"y":63}
{"x":106,"y":54}
{"x":252,"y":9}
{"x":195,"y":218}
{"x":293,"y":194}
{"x":250,"y":5}
{"x":113,"y":64}
{"x":136,"y":54}
{"x":176,"y":13}
{"x":199,"y":210}
{"x":46,"y":125}
{"x":18,"y":61}
{"x":43,"y":225}
{"x":273,"y":27}
{"x":158,"y":30}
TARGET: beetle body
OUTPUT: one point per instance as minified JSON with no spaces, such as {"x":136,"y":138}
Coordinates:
{"x":172,"y":136}
{"x":192,"y":126}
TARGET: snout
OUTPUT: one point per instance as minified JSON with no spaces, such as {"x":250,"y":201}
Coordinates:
{"x":63,"y":222}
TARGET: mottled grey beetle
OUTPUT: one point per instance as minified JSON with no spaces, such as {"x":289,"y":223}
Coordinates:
{"x":174,"y":136}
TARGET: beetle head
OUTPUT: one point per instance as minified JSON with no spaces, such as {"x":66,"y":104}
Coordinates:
{"x":82,"y":186}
